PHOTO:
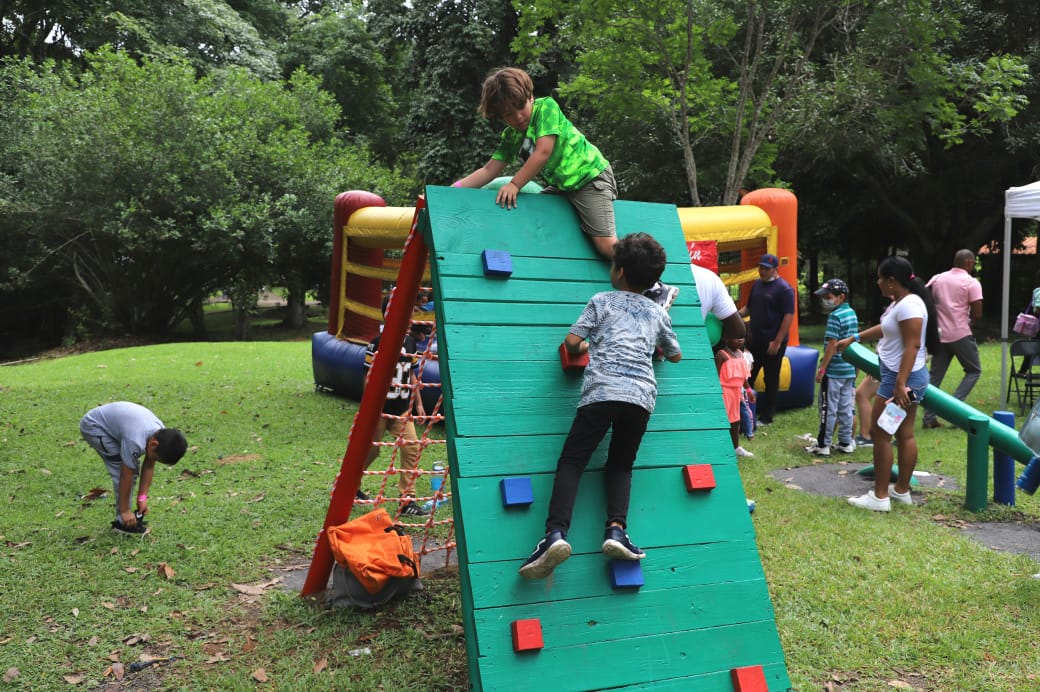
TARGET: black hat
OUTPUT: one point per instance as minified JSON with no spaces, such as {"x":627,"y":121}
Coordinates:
{"x":835,"y":287}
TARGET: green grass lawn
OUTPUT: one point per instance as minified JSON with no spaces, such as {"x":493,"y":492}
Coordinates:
{"x":863,"y":601}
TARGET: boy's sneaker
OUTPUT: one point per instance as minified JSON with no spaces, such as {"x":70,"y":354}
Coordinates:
{"x":741,"y":452}
{"x":140,"y":530}
{"x":871,"y":501}
{"x":616,"y":545}
{"x":412,"y":509}
{"x":662,"y":294}
{"x":864,"y":441}
{"x":550,"y":552}
{"x":817,"y":450}
{"x":361,"y":495}
{"x":899,"y":498}
{"x":846,"y":449}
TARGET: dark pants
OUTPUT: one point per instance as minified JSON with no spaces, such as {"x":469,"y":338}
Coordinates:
{"x":588,"y":429}
{"x":770,"y":365}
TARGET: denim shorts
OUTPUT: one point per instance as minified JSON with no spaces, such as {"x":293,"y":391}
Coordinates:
{"x":918,"y":382}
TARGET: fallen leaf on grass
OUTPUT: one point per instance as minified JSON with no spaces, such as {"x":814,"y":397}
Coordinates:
{"x":248,"y":646}
{"x":900,"y":684}
{"x":75,"y":612}
{"x":93,"y":641}
{"x":6,"y":640}
{"x":11,"y":674}
{"x":260,"y":675}
{"x":118,"y":670}
{"x":258,"y":498}
{"x":321,"y":665}
{"x":188,"y":473}
{"x":165,"y":571}
{"x":218,"y":658}
{"x":255,"y":589}
{"x":46,"y":472}
{"x":74,"y":679}
{"x":93,"y":494}
{"x":792,"y":486}
{"x":130,"y":570}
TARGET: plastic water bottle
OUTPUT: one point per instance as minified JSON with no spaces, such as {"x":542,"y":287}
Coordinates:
{"x":436,"y":483}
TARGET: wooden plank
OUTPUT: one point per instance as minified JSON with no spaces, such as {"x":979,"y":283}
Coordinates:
{"x":541,"y":225}
{"x":524,"y":455}
{"x":637,"y":660}
{"x":718,"y":681}
{"x":659,"y":499}
{"x":552,"y":416}
{"x":488,"y":379}
{"x":627,"y":614}
{"x":560,"y":315}
{"x":497,"y":584}
{"x":517,"y":343}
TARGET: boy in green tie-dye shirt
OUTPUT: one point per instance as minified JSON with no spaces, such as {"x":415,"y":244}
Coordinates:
{"x":550,"y":146}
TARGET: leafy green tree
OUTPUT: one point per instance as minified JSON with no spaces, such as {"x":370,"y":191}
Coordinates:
{"x":133,"y":191}
{"x":210,"y":34}
{"x":451,"y":46}
{"x":335,"y":44}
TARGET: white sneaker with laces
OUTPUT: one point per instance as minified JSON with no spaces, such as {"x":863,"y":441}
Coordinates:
{"x":901,"y":498}
{"x":847,"y":449}
{"x":817,"y":450}
{"x":741,"y":452}
{"x":871,"y":501}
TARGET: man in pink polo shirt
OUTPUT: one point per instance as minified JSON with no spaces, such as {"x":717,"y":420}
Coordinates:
{"x":958,"y":304}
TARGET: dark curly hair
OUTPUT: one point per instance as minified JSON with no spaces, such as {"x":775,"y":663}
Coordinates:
{"x":642,"y":258}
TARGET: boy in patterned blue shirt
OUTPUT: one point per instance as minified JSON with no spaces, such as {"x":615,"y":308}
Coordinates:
{"x":836,"y":376}
{"x":620,"y":330}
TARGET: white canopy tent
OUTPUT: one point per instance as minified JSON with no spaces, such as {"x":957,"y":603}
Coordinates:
{"x":1019,"y":203}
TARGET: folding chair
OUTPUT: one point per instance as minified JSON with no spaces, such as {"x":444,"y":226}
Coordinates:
{"x":1025,"y":373}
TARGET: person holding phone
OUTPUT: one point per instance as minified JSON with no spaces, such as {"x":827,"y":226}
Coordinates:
{"x":907,"y":329}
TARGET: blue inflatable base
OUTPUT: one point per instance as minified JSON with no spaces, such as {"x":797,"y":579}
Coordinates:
{"x":339,"y":367}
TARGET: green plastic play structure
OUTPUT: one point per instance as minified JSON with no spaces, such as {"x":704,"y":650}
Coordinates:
{"x":983,"y":431}
{"x":702,"y":618}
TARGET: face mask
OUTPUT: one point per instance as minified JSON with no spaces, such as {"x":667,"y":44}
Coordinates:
{"x":829,"y":303}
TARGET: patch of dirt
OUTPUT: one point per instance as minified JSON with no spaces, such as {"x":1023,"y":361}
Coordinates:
{"x":843,"y":480}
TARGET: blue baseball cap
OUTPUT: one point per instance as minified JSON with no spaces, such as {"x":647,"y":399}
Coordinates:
{"x":769,"y":260}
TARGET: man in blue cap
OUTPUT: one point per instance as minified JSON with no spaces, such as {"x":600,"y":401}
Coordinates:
{"x":771,"y":306}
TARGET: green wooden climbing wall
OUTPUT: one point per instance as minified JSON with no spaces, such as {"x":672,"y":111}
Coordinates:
{"x":704,"y":608}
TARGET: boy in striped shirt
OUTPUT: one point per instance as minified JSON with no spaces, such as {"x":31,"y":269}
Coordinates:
{"x":836,"y":376}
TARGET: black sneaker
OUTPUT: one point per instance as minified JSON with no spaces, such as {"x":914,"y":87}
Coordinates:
{"x":139,"y":530}
{"x":550,"y":552}
{"x":361,"y":495}
{"x":618,"y":546}
{"x":412,"y":509}
{"x":662,"y":294}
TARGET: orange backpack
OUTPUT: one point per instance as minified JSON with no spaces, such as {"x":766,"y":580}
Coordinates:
{"x":374,"y":550}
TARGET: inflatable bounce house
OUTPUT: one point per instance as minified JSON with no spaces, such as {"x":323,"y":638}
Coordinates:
{"x":368,"y":238}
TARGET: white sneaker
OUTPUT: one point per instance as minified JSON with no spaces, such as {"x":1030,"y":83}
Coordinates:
{"x":847,"y":449}
{"x":870,"y":501}
{"x":816,"y":450}
{"x":901,"y":498}
{"x":741,"y":452}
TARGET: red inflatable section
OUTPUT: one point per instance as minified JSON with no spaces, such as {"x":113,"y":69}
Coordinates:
{"x":368,"y":291}
{"x":782,"y":207}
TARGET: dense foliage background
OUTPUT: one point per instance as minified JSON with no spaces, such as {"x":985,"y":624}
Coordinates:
{"x":156,"y":153}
